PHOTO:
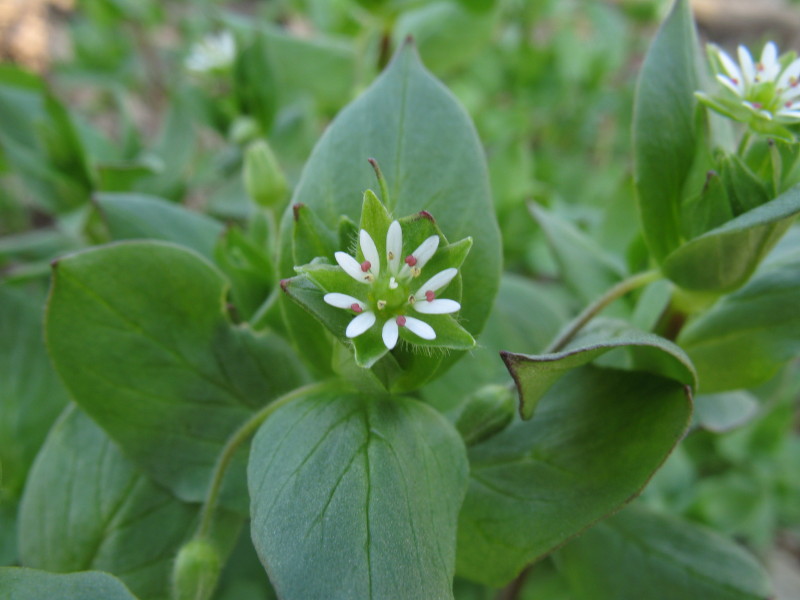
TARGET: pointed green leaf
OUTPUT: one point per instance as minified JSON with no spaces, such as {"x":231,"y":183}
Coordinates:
{"x":724,"y":258}
{"x":310,"y":237}
{"x":637,"y":551}
{"x":432,"y":160}
{"x":138,"y":333}
{"x":535,"y":374}
{"x":357,"y":497}
{"x":86,"y":506}
{"x":745,"y":338}
{"x":29,"y":584}
{"x":597,"y":437}
{"x":664,"y":128}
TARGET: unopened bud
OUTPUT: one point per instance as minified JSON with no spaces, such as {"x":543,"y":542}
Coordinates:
{"x":487,"y":412}
{"x":196,"y":571}
{"x":263,"y":177}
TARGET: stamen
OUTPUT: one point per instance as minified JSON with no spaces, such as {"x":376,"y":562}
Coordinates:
{"x":757,"y":105}
{"x":760,"y":66}
{"x":429,"y":295}
{"x":411,"y":299}
{"x":366,"y":266}
{"x":356,"y":308}
{"x":415,"y":271}
{"x":381,"y":304}
{"x":735,"y":81}
{"x":401,"y":320}
{"x":410,"y":260}
{"x":391,"y":255}
{"x":392,"y":284}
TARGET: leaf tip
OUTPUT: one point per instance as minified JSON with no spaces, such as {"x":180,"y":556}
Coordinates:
{"x":296,"y":208}
{"x":285,"y":285}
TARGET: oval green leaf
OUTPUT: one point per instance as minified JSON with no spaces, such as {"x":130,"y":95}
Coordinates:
{"x":357,"y":497}
{"x":30,"y":584}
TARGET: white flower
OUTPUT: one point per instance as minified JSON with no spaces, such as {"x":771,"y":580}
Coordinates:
{"x":212,"y":53}
{"x":766,"y":89}
{"x":390,"y":291}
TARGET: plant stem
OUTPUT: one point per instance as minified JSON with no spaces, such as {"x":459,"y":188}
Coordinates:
{"x":240,"y":436}
{"x":590,"y":312}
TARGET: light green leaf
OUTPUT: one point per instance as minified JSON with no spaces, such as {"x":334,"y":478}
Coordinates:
{"x":357,"y":497}
{"x":746,"y":338}
{"x":724,"y":258}
{"x":597,"y":437}
{"x":633,"y":554}
{"x":139,"y":216}
{"x":86,"y":506}
{"x":138,"y":334}
{"x":664,"y":128}
{"x":30,"y":584}
{"x":535,"y":374}
{"x":725,"y":411}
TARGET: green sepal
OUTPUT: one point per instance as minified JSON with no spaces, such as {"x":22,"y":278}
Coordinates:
{"x":310,"y":237}
{"x":376,"y":220}
{"x":745,"y":189}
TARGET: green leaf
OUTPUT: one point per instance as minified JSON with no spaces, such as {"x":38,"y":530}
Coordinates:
{"x":597,"y":437}
{"x":636,"y":552}
{"x":31,"y":396}
{"x":248,"y":266}
{"x":725,"y":411}
{"x":724,"y":258}
{"x":86,"y":506}
{"x":139,"y":216}
{"x":449,"y":36}
{"x":535,"y":374}
{"x":746,"y":338}
{"x":138,"y":334}
{"x":584,"y":265}
{"x":30,"y":584}
{"x":357,"y":497}
{"x":432,"y":160}
{"x":664,"y":128}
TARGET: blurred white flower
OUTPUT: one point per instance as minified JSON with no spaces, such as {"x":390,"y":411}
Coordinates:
{"x":212,"y":53}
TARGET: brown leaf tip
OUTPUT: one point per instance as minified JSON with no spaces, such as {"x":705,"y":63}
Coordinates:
{"x":285,"y":285}
{"x":296,"y":210}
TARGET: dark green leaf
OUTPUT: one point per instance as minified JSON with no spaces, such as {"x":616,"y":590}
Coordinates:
{"x":357,"y":497}
{"x":138,"y":333}
{"x":88,"y":507}
{"x":724,"y":258}
{"x":30,"y":584}
{"x":664,"y":128}
{"x":597,"y":437}
{"x":535,"y":374}
{"x":633,"y":554}
{"x":138,"y":216}
{"x":745,"y":338}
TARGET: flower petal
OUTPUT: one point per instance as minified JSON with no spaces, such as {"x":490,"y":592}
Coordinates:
{"x":426,"y":250}
{"x":420,"y":328}
{"x":437,"y":282}
{"x":370,"y":252}
{"x":748,"y":68}
{"x":394,"y":247}
{"x":351,"y":267}
{"x":731,"y":68}
{"x":390,"y":333}
{"x":790,"y":74}
{"x":440,"y":306}
{"x":342,"y":300}
{"x":360,"y":324}
{"x":769,"y":62}
{"x":731,"y":85}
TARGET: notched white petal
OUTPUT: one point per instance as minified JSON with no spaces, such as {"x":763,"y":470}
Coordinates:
{"x":420,"y":328}
{"x":370,"y":252}
{"x":360,"y":324}
{"x":394,"y":247}
{"x":438,"y":281}
{"x":389,"y":333}
{"x":748,"y":67}
{"x":426,"y":250}
{"x":439,"y":306}
{"x":731,"y":68}
{"x":350,"y":266}
{"x":342,"y":300}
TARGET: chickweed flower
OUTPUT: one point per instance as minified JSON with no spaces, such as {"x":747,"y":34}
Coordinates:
{"x":401,"y":283}
{"x":759,"y":93}
{"x":391,"y":292}
{"x":212,"y":53}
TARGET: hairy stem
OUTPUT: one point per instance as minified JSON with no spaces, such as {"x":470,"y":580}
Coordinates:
{"x":237,"y":439}
{"x":590,"y":312}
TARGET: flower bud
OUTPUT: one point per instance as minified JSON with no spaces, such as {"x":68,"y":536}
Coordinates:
{"x":196,"y":571}
{"x":487,"y":412}
{"x":263,"y":176}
